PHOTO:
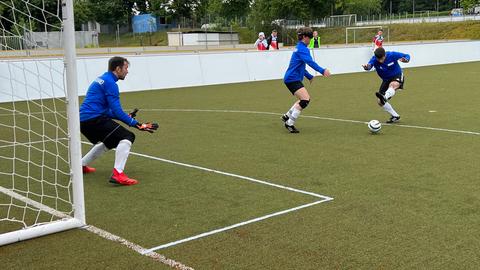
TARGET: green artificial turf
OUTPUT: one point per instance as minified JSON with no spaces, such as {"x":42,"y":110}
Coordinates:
{"x":406,"y":198}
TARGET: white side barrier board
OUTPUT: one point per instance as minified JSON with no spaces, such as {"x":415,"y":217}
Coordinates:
{"x":149,"y":72}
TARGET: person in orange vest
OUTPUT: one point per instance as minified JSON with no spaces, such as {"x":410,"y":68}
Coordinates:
{"x":272,"y":43}
{"x":261,"y":42}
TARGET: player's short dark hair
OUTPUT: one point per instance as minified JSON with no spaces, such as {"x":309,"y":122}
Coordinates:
{"x":304,"y":32}
{"x":379,"y":52}
{"x":116,"y":61}
{"x":274,"y":31}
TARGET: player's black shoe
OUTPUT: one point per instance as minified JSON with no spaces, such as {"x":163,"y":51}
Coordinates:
{"x":291,"y":129}
{"x":285,"y":118}
{"x":393,"y":119}
{"x":381,"y":97}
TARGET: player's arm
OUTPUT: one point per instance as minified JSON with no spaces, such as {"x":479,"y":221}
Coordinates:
{"x":308,"y":75}
{"x":307,"y":58}
{"x":149,"y":127}
{"x":402,"y":57}
{"x":113,"y":100}
{"x":369,"y":65}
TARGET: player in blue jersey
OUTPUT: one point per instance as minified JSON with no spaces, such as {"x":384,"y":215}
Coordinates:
{"x":100,"y":107}
{"x":387,"y":67}
{"x":294,"y":76}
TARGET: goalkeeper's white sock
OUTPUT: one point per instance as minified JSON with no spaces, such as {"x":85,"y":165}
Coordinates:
{"x":388,"y":108}
{"x":96,"y":151}
{"x":295,"y":114}
{"x":121,"y":154}
{"x":389,"y":93}
{"x":289,"y":113}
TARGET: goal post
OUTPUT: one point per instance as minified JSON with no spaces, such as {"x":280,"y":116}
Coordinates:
{"x":41,"y":181}
{"x":354,"y":31}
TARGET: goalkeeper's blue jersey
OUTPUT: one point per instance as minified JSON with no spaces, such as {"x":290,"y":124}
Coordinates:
{"x":390,"y":67}
{"x":103,"y":99}
{"x":296,"y":69}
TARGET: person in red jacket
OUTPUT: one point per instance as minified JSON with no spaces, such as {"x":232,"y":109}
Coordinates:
{"x":378,"y":40}
{"x":261,"y":42}
{"x":272,"y":41}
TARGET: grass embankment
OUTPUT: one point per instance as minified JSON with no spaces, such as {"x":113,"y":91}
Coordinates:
{"x":398,"y":32}
{"x":407,"y":32}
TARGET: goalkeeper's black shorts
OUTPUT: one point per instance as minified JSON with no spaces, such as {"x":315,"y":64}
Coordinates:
{"x":104,"y":129}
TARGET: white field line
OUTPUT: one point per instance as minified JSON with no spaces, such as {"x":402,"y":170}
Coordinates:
{"x":233,"y":175}
{"x":153,"y":255}
{"x":109,"y":236}
{"x":322,"y":197}
{"x":235,"y":225}
{"x":316,"y":117}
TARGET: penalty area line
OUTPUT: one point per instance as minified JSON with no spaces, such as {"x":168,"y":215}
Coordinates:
{"x":174,"y":243}
{"x":322,"y":197}
{"x":234,"y":175}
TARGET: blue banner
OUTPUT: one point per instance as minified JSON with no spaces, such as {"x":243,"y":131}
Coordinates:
{"x":144,"y":23}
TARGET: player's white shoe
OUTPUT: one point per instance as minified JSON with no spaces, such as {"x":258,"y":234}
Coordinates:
{"x":393,"y":119}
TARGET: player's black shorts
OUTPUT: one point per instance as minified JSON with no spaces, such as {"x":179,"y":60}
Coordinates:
{"x":294,"y":86}
{"x":385,"y":84}
{"x":104,"y":129}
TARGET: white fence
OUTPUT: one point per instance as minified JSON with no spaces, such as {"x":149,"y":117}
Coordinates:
{"x":148,"y":72}
{"x":398,"y":19}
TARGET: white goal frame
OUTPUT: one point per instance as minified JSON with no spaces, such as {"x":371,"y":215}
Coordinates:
{"x":365,"y":27}
{"x":65,"y":222}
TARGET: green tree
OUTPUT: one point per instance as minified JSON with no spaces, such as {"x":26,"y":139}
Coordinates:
{"x":468,"y":4}
{"x":229,"y":9}
{"x":360,"y":7}
{"x":111,"y":11}
{"x":83,"y":11}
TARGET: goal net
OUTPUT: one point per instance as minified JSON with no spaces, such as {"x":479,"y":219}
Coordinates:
{"x":41,"y":189}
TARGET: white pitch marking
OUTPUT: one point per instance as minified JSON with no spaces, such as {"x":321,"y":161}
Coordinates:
{"x":318,"y":117}
{"x":323,"y":197}
{"x":155,"y":256}
{"x":102,"y":233}
{"x":236,"y":225}
{"x":233,"y":175}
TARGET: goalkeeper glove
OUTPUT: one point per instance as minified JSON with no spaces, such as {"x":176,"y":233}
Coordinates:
{"x":133,"y":114}
{"x":150,"y":127}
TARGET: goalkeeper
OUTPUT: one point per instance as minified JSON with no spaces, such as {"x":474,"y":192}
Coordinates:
{"x":100,"y":107}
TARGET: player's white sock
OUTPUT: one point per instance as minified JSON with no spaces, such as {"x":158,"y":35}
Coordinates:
{"x":388,"y":108}
{"x":96,"y":151}
{"x":295,"y":114}
{"x":121,"y":154}
{"x":389,"y":93}
{"x":289,"y":113}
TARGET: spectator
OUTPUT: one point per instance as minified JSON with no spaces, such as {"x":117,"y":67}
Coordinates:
{"x":315,"y":41}
{"x":378,"y":40}
{"x":261,"y":42}
{"x":272,"y":43}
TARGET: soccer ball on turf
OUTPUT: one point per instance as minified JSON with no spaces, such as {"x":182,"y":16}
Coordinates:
{"x":374,"y":126}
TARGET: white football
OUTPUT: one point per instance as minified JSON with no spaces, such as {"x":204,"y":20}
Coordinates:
{"x":374,"y":126}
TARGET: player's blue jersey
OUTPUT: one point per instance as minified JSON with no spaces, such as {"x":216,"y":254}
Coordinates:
{"x":296,"y":69}
{"x":103,"y":99}
{"x":390,"y":67}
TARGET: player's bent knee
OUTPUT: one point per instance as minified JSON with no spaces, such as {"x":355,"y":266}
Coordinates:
{"x":304,"y":103}
{"x":130,"y":136}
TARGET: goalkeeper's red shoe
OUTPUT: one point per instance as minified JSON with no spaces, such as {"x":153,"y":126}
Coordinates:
{"x":122,"y":179}
{"x":87,"y":169}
